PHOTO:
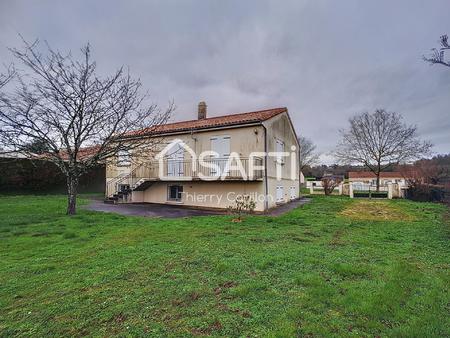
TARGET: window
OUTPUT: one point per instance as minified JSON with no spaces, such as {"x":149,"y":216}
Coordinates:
{"x":123,"y":158}
{"x":293,"y":192}
{"x":123,"y":187}
{"x":279,"y":148}
{"x":175,"y":161}
{"x":221,"y":145}
{"x":174,"y":193}
{"x":280,"y":194}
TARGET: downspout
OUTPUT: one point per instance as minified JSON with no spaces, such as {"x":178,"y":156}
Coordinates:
{"x":266,"y":183}
{"x":195,"y":151}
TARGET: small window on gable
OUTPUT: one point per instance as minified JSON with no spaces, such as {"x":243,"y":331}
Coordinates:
{"x":123,"y":158}
{"x":279,"y":148}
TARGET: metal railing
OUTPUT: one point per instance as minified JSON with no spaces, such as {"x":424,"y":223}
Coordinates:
{"x":369,"y":187}
{"x":369,"y":190}
{"x":172,"y":169}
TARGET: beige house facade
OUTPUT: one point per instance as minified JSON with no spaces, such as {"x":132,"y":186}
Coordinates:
{"x":179,"y":169}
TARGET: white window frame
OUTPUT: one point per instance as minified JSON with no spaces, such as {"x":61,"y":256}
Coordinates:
{"x":222,"y":137}
{"x":279,"y":198}
{"x":279,"y":159}
{"x":177,"y":199}
{"x":221,"y":163}
{"x":292,"y":193}
{"x":175,"y":162}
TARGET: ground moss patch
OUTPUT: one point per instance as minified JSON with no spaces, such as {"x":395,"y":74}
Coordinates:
{"x":376,"y":210}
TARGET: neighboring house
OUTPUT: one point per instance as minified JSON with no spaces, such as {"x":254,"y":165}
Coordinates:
{"x":182,"y":143}
{"x":313,"y":183}
{"x":317,"y":183}
{"x":368,"y":177}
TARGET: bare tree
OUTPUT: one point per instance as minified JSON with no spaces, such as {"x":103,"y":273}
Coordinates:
{"x":81,"y":118}
{"x":307,"y":152}
{"x":379,"y":140}
{"x":329,"y":183}
{"x":438,"y":54}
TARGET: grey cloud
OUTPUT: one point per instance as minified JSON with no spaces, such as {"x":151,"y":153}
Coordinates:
{"x":324,"y":60}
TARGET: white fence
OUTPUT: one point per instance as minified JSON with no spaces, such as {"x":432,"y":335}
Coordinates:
{"x":357,"y":189}
{"x":391,"y":190}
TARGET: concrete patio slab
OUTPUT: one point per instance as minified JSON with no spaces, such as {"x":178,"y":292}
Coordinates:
{"x":175,"y":211}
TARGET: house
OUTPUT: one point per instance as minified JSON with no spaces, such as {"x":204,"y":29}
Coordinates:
{"x":254,"y":153}
{"x":368,"y":177}
{"x":318,"y":182}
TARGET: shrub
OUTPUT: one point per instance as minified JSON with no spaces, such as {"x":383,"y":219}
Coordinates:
{"x":426,"y":193}
{"x":243,"y":204}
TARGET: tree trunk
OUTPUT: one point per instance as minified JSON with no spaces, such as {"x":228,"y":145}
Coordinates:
{"x":72,"y":186}
{"x":378,"y":181}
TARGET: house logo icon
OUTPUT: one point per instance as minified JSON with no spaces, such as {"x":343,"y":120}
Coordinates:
{"x":172,"y":164}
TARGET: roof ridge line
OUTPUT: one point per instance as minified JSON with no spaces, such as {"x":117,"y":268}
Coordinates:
{"x":220,"y":116}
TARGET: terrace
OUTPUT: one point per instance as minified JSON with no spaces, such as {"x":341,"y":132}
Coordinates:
{"x":213,"y":169}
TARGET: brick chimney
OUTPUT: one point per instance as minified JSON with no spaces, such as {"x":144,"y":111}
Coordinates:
{"x":202,"y":110}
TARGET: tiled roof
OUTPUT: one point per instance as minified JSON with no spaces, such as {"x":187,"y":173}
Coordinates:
{"x":369,"y":174}
{"x":211,"y":122}
{"x":83,"y":153}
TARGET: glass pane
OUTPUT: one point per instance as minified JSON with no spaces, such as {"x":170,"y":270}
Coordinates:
{"x":175,"y":192}
{"x":172,"y":192}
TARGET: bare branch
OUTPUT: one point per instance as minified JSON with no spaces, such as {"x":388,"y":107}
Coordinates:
{"x":438,"y":54}
{"x":308,"y":156}
{"x":61,"y":103}
{"x":329,"y":183}
{"x":9,"y":74}
{"x":379,"y":140}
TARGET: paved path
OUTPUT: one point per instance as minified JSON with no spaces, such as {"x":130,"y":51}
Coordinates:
{"x":150,"y":210}
{"x":288,"y":207}
{"x":174,"y":211}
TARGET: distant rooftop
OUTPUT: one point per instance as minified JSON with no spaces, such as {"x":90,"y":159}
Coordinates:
{"x":369,"y":174}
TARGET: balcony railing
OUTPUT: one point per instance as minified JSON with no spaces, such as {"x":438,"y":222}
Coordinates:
{"x":245,"y":169}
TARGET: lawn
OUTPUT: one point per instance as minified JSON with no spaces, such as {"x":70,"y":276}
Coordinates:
{"x":334,"y":267}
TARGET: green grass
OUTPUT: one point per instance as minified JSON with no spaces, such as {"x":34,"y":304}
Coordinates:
{"x":333,"y":267}
{"x":304,"y":191}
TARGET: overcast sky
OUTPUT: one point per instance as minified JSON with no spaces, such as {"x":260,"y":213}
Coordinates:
{"x":324,"y":60}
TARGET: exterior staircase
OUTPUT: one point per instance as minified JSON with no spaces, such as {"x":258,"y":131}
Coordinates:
{"x":119,"y":189}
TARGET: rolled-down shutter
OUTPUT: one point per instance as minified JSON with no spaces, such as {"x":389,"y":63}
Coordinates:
{"x":221,"y":145}
{"x":280,"y":193}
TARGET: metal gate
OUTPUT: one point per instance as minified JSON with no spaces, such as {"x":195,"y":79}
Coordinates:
{"x":362,"y":190}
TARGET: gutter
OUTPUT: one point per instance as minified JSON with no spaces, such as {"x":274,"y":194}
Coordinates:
{"x":189,"y":131}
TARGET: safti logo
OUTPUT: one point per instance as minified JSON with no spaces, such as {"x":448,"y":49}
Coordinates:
{"x":178,"y":160}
